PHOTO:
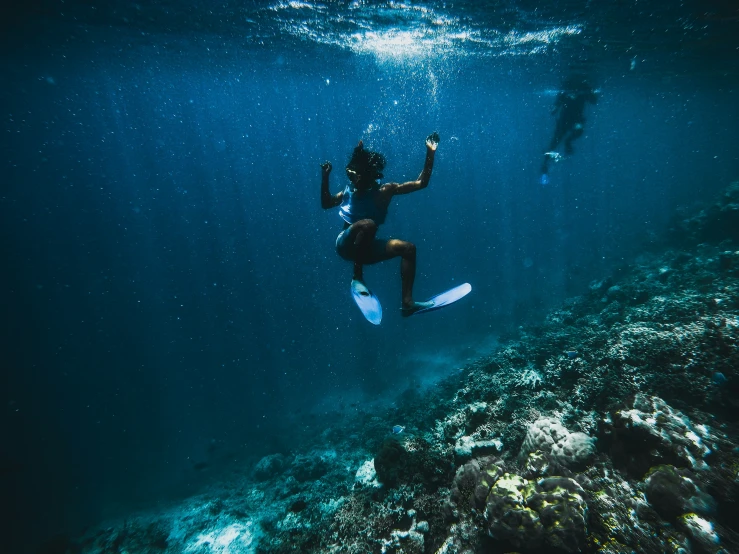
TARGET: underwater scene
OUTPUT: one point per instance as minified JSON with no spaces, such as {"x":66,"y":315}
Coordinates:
{"x":354,"y":276}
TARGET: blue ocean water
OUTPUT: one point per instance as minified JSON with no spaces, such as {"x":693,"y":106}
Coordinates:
{"x":173,"y":302}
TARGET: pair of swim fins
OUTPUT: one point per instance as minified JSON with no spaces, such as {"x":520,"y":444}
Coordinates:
{"x":371,"y":308}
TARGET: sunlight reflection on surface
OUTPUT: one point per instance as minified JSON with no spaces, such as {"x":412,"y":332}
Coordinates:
{"x":398,"y":31}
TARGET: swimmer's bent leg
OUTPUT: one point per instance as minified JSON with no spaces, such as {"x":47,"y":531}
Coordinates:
{"x":360,"y":246}
{"x":407,"y":252}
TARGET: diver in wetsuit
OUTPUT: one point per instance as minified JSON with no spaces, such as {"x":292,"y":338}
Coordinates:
{"x":363,"y":207}
{"x":569,"y":107}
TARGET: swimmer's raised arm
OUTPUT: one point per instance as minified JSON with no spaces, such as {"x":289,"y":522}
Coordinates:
{"x":327,"y":199}
{"x":432,"y":142}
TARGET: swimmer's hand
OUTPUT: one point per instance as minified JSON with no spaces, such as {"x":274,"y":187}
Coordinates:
{"x":432,"y":141}
{"x":326,"y":168}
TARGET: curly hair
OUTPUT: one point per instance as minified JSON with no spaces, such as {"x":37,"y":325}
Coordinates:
{"x":366,"y":162}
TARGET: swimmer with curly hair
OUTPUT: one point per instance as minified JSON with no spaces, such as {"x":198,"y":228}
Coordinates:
{"x":363,"y":205}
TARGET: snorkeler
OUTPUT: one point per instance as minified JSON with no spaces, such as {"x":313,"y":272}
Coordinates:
{"x":569,"y":107}
{"x":363,"y":207}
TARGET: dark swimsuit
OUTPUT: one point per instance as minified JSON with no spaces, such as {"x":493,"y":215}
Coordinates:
{"x":355,"y":206}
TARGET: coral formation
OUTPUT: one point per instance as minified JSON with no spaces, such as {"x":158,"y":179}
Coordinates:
{"x":508,"y":515}
{"x":673,"y":491}
{"x":563,"y":511}
{"x":650,"y":432}
{"x":472,"y":484}
{"x":412,"y":461}
{"x":269,"y":467}
{"x":549,"y":436}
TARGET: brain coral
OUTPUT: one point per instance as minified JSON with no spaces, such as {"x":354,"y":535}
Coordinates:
{"x":526,"y":513}
{"x":563,"y":447}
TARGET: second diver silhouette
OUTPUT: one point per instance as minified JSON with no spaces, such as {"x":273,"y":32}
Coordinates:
{"x":569,"y":108}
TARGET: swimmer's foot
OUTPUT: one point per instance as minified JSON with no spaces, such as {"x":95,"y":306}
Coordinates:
{"x":410,"y":309}
{"x":359,"y":288}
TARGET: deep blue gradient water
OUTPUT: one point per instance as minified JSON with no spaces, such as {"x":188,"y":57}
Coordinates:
{"x":171,"y":292}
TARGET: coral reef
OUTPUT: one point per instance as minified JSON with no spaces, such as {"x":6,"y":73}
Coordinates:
{"x":608,"y":428}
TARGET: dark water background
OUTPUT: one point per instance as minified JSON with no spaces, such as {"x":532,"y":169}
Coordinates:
{"x":171,"y":295}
